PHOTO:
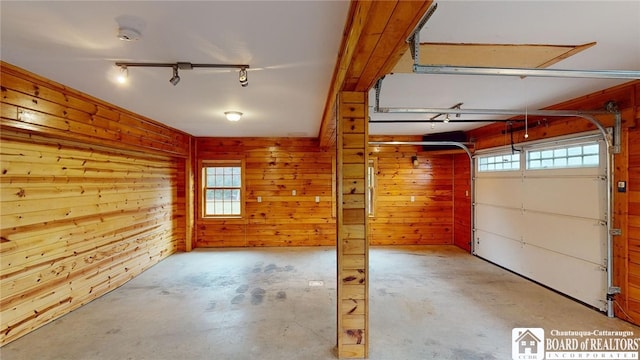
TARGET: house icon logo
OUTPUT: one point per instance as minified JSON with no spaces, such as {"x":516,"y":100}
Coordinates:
{"x":527,"y":344}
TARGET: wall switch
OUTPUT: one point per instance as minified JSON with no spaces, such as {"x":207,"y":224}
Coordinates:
{"x":317,"y":199}
{"x":622,"y":186}
{"x":293,"y":193}
{"x":466,"y":193}
{"x":413,"y":198}
{"x":259,"y":199}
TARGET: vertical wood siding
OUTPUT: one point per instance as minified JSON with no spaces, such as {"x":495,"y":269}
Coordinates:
{"x":274,"y":167}
{"x":91,"y":196}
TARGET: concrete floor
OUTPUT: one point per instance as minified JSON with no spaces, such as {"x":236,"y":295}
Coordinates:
{"x":434,"y":302}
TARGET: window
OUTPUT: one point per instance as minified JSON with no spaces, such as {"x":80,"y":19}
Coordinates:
{"x":571,"y":156}
{"x":506,"y":162}
{"x":222,"y":189}
{"x":371,"y":187}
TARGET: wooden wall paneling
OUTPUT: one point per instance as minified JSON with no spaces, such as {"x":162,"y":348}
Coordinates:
{"x":462,"y":201}
{"x":274,"y":167}
{"x":78,"y":222}
{"x":629,"y":276}
{"x":620,"y":221}
{"x":398,"y":220}
{"x":91,"y":196}
{"x":353,"y":247}
{"x":34,"y":104}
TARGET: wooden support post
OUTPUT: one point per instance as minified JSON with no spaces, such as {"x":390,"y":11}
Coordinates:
{"x":353,"y":244}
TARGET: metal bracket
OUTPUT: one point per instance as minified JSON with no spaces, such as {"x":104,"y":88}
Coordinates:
{"x":613,"y":290}
{"x":617,"y":129}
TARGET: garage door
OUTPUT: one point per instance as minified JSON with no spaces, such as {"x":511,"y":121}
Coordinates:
{"x":541,"y":212}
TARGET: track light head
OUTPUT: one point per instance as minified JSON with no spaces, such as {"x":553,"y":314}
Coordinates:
{"x":175,"y":79}
{"x":244,"y":80}
{"x":123,"y":75}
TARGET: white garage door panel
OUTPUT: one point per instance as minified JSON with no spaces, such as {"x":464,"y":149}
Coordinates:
{"x":494,"y":190}
{"x":568,"y":196}
{"x":499,"y":250}
{"x":582,"y":238}
{"x":579,"y":279}
{"x":501,"y":221}
{"x":547,"y":224}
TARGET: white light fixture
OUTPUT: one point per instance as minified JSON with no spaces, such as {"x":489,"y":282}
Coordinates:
{"x":233,"y":115}
{"x":123,"y":75}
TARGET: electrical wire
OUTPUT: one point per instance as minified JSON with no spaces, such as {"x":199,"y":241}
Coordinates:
{"x":624,"y":312}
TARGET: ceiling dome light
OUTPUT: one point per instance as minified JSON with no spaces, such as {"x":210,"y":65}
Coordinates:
{"x":233,"y":115}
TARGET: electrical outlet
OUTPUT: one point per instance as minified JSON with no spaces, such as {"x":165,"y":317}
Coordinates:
{"x":413,"y":198}
{"x":317,"y":199}
{"x":293,"y":193}
{"x":259,"y":199}
{"x":316,"y":283}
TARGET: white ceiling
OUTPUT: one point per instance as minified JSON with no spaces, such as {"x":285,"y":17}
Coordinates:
{"x":614,"y":25}
{"x":292,"y":48}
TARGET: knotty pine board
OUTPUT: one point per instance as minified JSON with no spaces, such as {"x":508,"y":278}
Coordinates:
{"x":77,"y":222}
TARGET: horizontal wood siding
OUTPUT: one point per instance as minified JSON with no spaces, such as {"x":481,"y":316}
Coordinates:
{"x":398,"y":220}
{"x":462,"y":201}
{"x":34,"y":104}
{"x":92,"y":195}
{"x":274,"y":167}
{"x":77,"y":223}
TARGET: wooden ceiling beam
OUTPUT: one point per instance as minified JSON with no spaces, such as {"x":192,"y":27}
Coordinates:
{"x":373,"y":41}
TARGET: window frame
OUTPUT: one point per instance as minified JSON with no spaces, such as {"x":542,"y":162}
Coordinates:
{"x":202,"y":166}
{"x":566,"y":147}
{"x":479,"y":158}
{"x":372,"y":186}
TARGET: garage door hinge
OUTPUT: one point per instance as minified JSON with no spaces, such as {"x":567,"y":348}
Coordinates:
{"x":615,"y":232}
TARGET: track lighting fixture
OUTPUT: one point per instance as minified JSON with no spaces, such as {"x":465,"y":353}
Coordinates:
{"x":244,"y":81}
{"x":175,"y":79}
{"x":123,"y":75}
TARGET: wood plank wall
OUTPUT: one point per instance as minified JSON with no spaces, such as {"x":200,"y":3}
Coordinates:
{"x":429,"y":218}
{"x":626,"y":206}
{"x":274,"y":167}
{"x":462,"y":201}
{"x":353,"y":244}
{"x":90,"y":198}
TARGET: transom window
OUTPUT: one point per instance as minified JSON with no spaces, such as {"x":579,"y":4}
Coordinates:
{"x":505,"y":162}
{"x":572,"y":156}
{"x":222,"y":190}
